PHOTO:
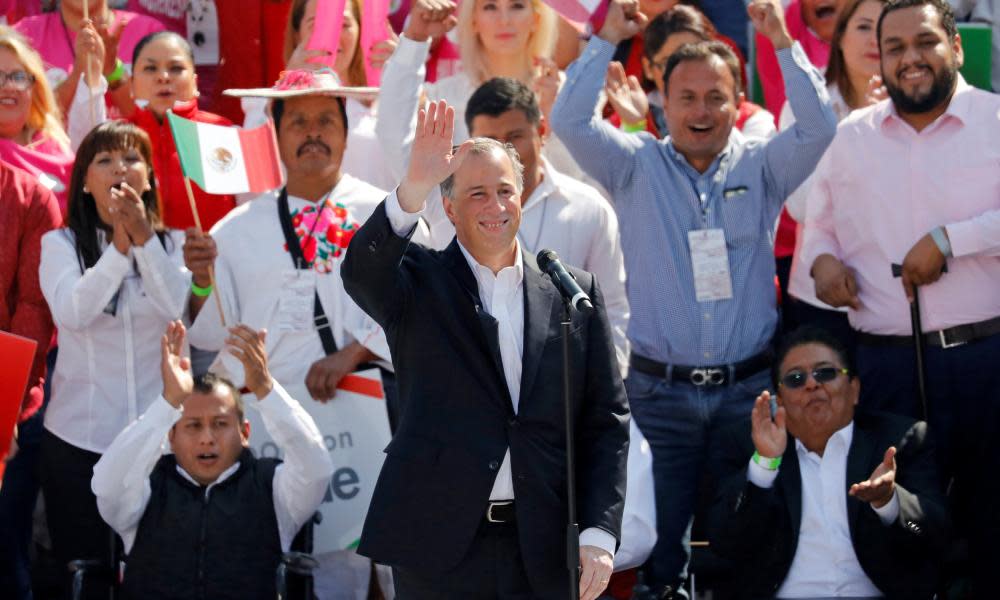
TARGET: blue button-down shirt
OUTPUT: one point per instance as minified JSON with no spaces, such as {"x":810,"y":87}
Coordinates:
{"x":659,"y":198}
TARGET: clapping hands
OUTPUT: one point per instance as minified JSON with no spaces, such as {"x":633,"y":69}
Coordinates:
{"x":175,"y":368}
{"x":880,"y":487}
{"x":769,"y":435}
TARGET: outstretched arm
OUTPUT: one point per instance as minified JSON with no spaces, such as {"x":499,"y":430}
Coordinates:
{"x":121,"y":477}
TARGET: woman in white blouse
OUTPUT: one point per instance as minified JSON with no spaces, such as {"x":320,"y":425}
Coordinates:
{"x":113,"y":279}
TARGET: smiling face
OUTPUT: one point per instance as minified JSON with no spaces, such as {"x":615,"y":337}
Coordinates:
{"x":15,"y":104}
{"x":919,"y":62}
{"x":311,"y":136}
{"x":859,"y":43}
{"x":210,"y":435}
{"x":163,"y":74}
{"x":109,"y":169}
{"x":817,"y":409}
{"x":504,"y":26}
{"x":701,"y":109}
{"x":821,"y":17}
{"x":485,"y":206}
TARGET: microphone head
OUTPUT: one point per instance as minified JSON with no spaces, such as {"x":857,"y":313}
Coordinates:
{"x":545,"y":258}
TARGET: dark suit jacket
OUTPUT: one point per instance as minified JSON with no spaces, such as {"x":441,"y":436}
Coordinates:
{"x":758,"y":529}
{"x":458,"y":420}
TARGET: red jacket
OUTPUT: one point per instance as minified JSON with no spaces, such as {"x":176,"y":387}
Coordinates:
{"x":175,"y":209}
{"x":28,"y":210}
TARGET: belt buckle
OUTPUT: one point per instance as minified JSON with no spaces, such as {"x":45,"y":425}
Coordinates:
{"x":944,"y":340}
{"x":489,"y":511}
{"x":707,"y":376}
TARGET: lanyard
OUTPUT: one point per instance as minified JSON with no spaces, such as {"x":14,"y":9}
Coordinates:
{"x":320,"y":319}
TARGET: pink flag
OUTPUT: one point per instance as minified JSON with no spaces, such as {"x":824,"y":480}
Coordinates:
{"x":579,"y":12}
{"x":326,"y":29}
{"x":374,"y":29}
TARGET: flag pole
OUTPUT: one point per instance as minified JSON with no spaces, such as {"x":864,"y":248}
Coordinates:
{"x":93,"y":109}
{"x":211,"y":268}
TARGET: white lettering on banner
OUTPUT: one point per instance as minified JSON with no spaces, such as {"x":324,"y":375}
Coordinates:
{"x":355,"y":428}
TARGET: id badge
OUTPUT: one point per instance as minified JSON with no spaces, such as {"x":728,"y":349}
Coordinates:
{"x":710,"y":265}
{"x":297,"y":301}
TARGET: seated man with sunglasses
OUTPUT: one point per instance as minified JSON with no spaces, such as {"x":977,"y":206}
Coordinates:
{"x":815,"y":500}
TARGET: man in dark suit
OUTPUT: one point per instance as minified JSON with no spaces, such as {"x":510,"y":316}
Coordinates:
{"x":819,"y":501}
{"x":471,"y":501}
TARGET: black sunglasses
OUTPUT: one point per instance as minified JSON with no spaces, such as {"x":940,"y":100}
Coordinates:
{"x":796,"y":379}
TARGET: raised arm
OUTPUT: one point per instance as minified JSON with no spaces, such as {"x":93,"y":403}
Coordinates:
{"x":370,"y":270}
{"x":121,"y":476}
{"x":601,"y":150}
{"x":301,"y":480}
{"x":403,"y":79}
{"x":793,"y":154}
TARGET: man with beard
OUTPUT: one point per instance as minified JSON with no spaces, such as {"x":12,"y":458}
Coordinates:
{"x":916,"y":181}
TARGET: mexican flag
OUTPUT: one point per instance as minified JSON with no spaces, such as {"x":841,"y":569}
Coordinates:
{"x":227,"y":160}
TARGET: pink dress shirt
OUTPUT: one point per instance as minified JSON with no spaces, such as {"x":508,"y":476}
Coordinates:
{"x":882,"y":186}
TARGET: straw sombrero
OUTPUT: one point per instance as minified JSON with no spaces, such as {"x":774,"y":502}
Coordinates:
{"x":303,"y":82}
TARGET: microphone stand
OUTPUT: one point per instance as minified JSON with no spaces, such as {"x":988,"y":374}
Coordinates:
{"x":572,"y":527}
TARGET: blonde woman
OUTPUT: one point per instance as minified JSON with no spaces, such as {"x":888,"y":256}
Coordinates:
{"x":497,"y":38}
{"x":32,"y":135}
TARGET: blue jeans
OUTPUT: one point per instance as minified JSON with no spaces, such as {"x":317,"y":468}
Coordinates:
{"x":678,"y":419}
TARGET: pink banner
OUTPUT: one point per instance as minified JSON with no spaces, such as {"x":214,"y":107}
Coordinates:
{"x":326,"y":29}
{"x":374,"y":29}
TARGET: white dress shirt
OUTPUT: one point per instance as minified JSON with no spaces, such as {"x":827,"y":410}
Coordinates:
{"x":121,"y":477}
{"x":108,"y":370}
{"x":572,"y":218}
{"x":250,"y":274}
{"x":502,"y":296}
{"x":825,"y":564}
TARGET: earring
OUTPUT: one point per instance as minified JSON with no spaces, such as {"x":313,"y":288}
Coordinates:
{"x":85,"y":190}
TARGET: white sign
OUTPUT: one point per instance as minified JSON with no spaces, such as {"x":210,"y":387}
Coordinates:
{"x":355,"y":428}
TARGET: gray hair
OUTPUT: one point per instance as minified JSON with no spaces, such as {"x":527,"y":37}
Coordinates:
{"x":481,"y":145}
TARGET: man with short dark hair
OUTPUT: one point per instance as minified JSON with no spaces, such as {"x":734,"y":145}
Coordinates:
{"x":821,"y":501}
{"x":697,"y":212}
{"x":915,"y":181}
{"x":210,"y":520}
{"x":472,"y":499}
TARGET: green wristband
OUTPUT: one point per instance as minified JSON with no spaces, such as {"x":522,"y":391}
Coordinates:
{"x":771,"y":464}
{"x":116,"y":75}
{"x":201,"y":292}
{"x":634,"y":127}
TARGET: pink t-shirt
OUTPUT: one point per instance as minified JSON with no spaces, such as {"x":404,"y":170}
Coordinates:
{"x":55,"y":42}
{"x":46,"y":160}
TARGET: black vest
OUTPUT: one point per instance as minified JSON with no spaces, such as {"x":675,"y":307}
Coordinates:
{"x":224,"y":546}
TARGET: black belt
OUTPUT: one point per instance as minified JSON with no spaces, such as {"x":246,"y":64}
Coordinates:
{"x":944,"y":338}
{"x":714,"y":375}
{"x":502,"y":511}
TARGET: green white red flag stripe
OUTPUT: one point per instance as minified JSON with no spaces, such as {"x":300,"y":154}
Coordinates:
{"x":227,"y":160}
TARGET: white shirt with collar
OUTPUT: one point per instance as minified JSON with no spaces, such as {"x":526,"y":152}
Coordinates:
{"x":825,"y":564}
{"x":121,"y":476}
{"x":502,"y":296}
{"x":250,"y":274}
{"x":110,"y":318}
{"x":572,"y":218}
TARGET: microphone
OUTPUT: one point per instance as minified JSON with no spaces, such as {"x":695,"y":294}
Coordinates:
{"x":548,"y":262}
